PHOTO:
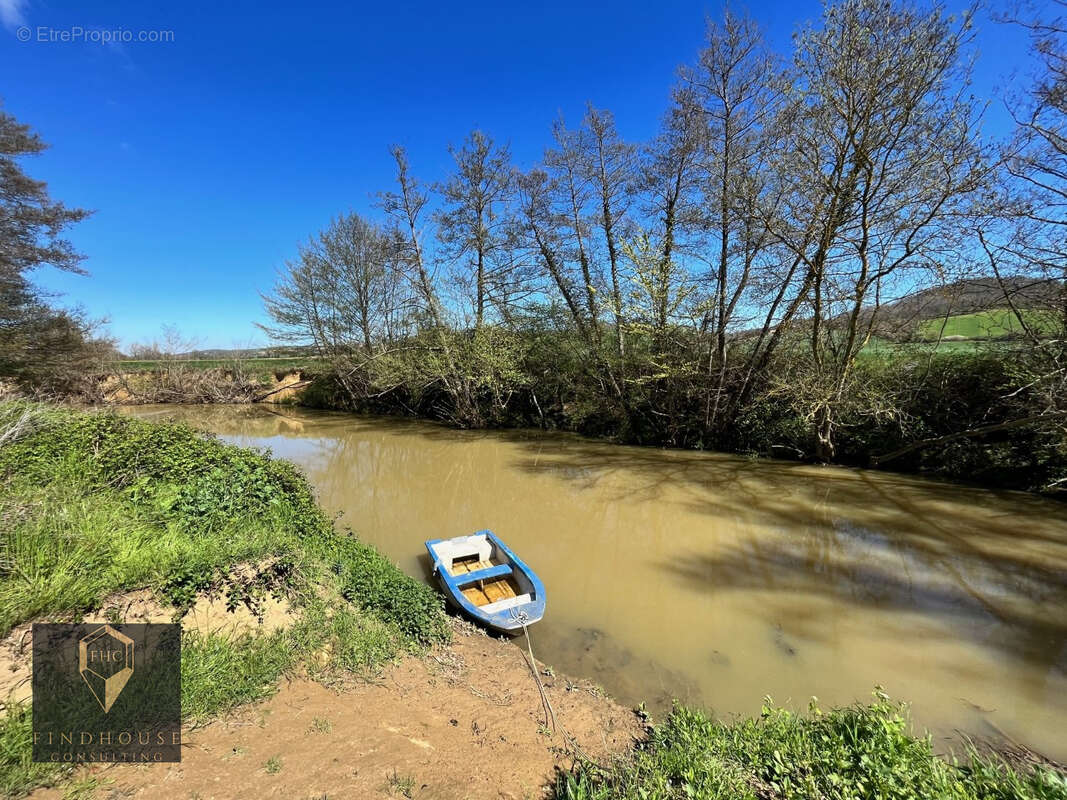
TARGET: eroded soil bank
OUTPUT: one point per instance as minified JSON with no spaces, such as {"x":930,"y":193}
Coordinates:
{"x":190,"y":385}
{"x":464,"y":721}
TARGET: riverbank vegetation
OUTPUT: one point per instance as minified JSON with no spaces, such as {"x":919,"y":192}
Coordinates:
{"x":844,"y":754}
{"x":94,"y":504}
{"x":776,"y":271}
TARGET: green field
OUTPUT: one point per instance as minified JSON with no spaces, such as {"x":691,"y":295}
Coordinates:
{"x":994,"y":324}
{"x":260,"y":368}
{"x":884,"y":348}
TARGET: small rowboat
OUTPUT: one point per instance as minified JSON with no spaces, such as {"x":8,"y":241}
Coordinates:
{"x":481,"y":576}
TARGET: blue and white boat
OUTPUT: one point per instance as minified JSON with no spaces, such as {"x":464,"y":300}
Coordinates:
{"x":486,"y":580}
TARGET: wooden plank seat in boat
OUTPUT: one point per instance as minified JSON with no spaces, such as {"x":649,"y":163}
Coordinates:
{"x":495,"y":571}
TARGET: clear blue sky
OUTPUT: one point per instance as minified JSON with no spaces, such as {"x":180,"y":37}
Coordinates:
{"x":208,"y":158}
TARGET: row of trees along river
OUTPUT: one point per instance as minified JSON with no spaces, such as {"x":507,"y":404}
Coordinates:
{"x":765,"y":274}
{"x":748,"y":279}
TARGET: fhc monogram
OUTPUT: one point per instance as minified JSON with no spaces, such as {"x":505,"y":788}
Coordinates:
{"x":107,"y":693}
{"x":99,"y":656}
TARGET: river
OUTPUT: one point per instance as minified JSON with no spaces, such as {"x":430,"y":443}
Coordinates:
{"x":718,"y":579}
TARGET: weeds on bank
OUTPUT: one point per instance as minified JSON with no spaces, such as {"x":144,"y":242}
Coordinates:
{"x":94,"y":504}
{"x":403,"y":785}
{"x":19,"y":774}
{"x":99,"y":503}
{"x":843,"y":754}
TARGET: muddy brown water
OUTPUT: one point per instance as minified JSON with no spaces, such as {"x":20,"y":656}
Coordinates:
{"x":719,"y":580}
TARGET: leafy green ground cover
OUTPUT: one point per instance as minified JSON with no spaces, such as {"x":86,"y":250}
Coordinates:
{"x":844,"y":754}
{"x":94,"y":503}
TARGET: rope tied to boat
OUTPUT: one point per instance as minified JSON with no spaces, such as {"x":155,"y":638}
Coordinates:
{"x":571,"y":744}
{"x":522,"y":618}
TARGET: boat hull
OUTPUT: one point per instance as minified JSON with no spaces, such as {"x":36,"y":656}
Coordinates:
{"x":482,"y":577}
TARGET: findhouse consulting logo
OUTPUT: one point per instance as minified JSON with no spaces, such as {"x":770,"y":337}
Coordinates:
{"x":107,"y":693}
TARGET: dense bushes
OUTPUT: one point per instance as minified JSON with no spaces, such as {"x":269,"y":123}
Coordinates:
{"x":914,"y":396}
{"x":373,"y":583}
{"x":897,"y":397}
{"x":844,"y":754}
{"x":97,"y":503}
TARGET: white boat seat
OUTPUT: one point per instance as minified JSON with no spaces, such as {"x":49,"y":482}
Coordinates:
{"x":506,"y":603}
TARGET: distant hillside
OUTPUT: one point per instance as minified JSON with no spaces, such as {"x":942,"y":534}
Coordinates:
{"x":975,"y":308}
{"x":997,"y":323}
{"x":976,"y":294}
{"x":259,"y":352}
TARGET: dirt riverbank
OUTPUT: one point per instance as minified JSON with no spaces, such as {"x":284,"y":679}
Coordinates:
{"x":464,"y":721}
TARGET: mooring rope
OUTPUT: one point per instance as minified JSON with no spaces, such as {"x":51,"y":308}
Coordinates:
{"x":550,"y":713}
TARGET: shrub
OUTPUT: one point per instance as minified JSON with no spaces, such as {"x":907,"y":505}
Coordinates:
{"x":372,"y":582}
{"x":164,"y":506}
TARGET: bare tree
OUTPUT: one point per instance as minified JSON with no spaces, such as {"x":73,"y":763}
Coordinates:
{"x":1035,"y":207}
{"x":552,"y":213}
{"x":405,"y":207}
{"x":611,"y":168}
{"x":880,"y":151}
{"x":735,"y":87}
{"x":670,"y":179}
{"x":339,"y":294}
{"x":571,"y":193}
{"x":438,"y":363}
{"x":472,"y":225}
{"x":1021,"y":233}
{"x":360,"y":254}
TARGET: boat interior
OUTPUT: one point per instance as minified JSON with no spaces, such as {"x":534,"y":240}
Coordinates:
{"x":484,"y":575}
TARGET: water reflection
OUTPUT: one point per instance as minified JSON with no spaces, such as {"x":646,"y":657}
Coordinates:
{"x":718,"y":579}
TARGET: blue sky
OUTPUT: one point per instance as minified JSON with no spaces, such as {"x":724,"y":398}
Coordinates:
{"x":209,"y":157}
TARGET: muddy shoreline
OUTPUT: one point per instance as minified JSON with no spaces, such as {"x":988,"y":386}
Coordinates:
{"x":465,"y":720}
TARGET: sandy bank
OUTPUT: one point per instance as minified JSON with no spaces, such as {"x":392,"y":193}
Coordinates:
{"x":464,"y":721}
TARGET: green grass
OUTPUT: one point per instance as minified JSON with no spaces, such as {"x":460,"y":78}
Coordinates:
{"x":846,"y":754}
{"x":18,"y":773}
{"x":887,"y":351}
{"x":993,"y":324}
{"x":94,"y":503}
{"x":403,"y":785}
{"x":965,"y":334}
